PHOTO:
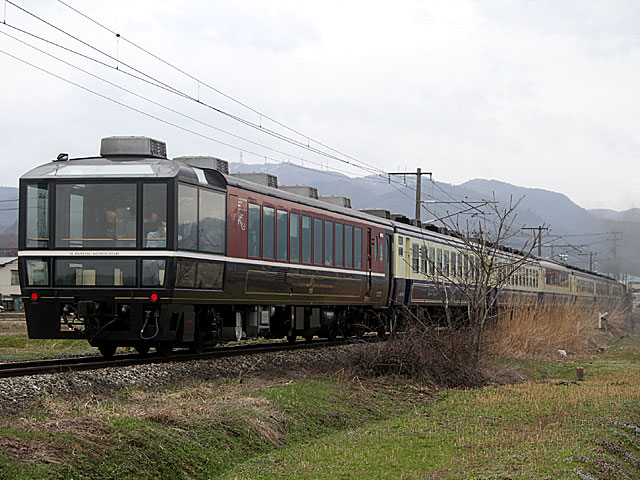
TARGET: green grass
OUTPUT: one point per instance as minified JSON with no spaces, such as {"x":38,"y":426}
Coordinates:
{"x":550,"y":427}
{"x":20,"y":347}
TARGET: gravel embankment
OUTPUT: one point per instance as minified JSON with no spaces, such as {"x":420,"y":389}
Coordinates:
{"x":21,"y":392}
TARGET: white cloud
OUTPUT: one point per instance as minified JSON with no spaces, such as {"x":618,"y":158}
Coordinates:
{"x":541,"y":94}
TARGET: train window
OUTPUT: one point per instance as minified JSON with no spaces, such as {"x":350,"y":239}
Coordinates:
{"x":254,"y":231}
{"x":268,"y":232}
{"x":446,"y":263}
{"x":185,"y":273}
{"x":154,"y":215}
{"x":460,"y":273}
{"x":211,"y":222}
{"x":294,"y":237}
{"x":423,"y":260}
{"x":339,"y":244}
{"x":328,"y":243}
{"x":96,"y":215}
{"x":153,"y":272}
{"x":431,"y":259}
{"x":439,"y":262}
{"x":107,"y":272}
{"x":375,"y":249}
{"x":187,"y":217}
{"x":38,"y":216}
{"x":415,"y":257}
{"x":466,"y":266}
{"x":382,"y":250}
{"x":306,"y":239}
{"x":348,"y":246}
{"x":209,"y":275}
{"x":37,"y":272}
{"x":454,"y":264}
{"x":357,"y":250}
{"x":317,"y":241}
{"x":282,"y":224}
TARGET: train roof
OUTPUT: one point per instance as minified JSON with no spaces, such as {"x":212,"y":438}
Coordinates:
{"x":123,"y":167}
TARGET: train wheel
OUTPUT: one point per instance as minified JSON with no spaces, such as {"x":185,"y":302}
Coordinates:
{"x":308,"y":338}
{"x":196,"y":347}
{"x":142,"y":349}
{"x":164,"y":349}
{"x":107,"y":350}
{"x":291,"y":338}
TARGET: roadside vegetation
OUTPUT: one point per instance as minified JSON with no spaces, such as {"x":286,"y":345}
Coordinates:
{"x":412,"y":407}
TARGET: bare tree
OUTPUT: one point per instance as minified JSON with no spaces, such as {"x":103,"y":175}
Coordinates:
{"x":476,"y":269}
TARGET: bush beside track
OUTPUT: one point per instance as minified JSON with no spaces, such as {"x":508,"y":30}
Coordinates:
{"x":346,"y":412}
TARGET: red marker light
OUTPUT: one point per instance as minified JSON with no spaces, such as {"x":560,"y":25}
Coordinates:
{"x":154,"y":297}
{"x":34,"y":296}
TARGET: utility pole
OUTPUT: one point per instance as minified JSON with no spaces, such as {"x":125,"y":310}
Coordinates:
{"x":540,"y":228}
{"x":418,"y":173}
{"x":614,"y":249}
{"x":615,"y":243}
{"x":591,"y":255}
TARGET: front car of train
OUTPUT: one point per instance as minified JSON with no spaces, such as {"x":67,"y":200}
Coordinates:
{"x":95,"y":240}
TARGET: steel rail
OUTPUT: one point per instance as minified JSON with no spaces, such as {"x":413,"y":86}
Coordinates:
{"x":60,"y":365}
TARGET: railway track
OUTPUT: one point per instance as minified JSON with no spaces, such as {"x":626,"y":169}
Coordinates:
{"x":58,"y":365}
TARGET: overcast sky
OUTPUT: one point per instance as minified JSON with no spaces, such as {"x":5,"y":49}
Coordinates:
{"x":539,"y":94}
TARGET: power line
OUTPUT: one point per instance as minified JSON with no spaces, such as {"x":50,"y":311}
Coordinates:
{"x":199,"y":81}
{"x":171,"y":89}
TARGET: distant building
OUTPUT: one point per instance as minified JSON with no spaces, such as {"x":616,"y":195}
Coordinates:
{"x":10,"y":284}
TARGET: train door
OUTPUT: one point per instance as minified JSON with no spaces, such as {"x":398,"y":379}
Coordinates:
{"x":369,"y":260}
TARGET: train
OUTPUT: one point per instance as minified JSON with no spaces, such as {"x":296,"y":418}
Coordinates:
{"x":133,"y":249}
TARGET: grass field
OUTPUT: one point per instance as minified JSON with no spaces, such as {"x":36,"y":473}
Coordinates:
{"x":301,"y":427}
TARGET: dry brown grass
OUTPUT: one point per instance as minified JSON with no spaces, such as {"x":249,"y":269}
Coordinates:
{"x":540,"y":331}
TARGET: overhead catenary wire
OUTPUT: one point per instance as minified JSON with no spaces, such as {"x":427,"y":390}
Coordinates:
{"x":171,"y":89}
{"x":158,"y":84}
{"x":202,"y":82}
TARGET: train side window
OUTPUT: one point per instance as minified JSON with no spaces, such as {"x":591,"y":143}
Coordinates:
{"x":466,"y":267}
{"x":209,"y":275}
{"x":154,"y":215}
{"x":357,"y":255}
{"x":348,"y":246}
{"x":268,"y":232}
{"x":423,"y":260}
{"x":454,"y":264}
{"x":382,"y":249}
{"x":282,"y":234}
{"x":254,"y":231}
{"x":317,"y":241}
{"x":446,"y":263}
{"x":460,"y":274}
{"x":294,"y":237}
{"x":306,"y":239}
{"x":328,"y":243}
{"x":374,"y":256}
{"x":153,"y":272}
{"x":38,"y":216}
{"x":211,"y":222}
{"x":415,"y":256}
{"x":37,"y":272}
{"x":339,"y":244}
{"x":185,"y":273}
{"x":187,"y":217}
{"x":431,"y":259}
{"x":439,"y":270}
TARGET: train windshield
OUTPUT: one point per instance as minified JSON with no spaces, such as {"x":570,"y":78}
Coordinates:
{"x":96,"y":215}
